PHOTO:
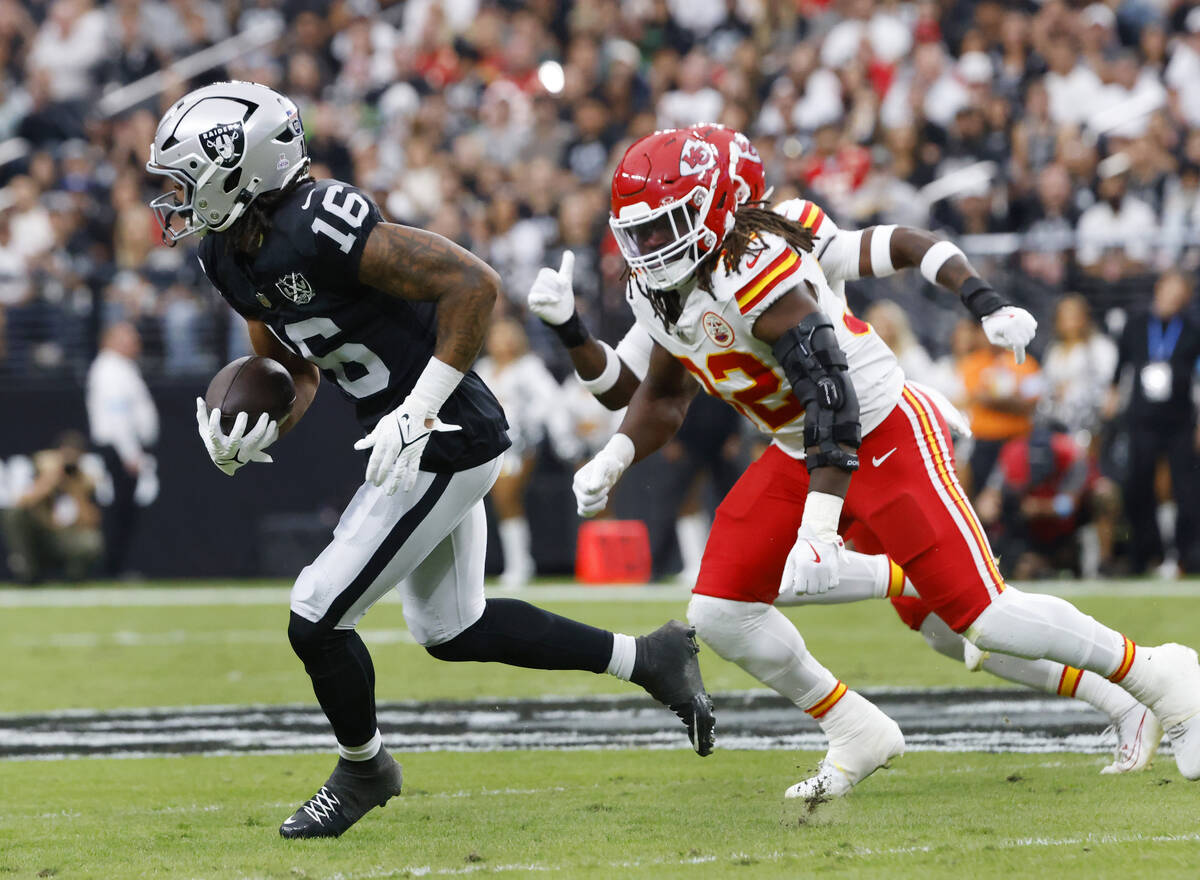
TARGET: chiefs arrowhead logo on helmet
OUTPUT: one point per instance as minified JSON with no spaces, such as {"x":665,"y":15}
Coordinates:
{"x":696,"y":157}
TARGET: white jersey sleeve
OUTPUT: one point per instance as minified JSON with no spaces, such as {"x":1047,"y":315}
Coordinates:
{"x":836,"y":249}
{"x":634,"y":349}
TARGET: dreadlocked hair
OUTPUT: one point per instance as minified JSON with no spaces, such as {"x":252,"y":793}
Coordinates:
{"x":247,"y":234}
{"x":751,"y":219}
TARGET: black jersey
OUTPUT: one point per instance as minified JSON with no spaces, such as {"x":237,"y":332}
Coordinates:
{"x":303,"y":284}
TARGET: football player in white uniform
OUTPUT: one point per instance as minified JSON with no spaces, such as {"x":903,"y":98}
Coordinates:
{"x":735,"y":298}
{"x":613,"y":376}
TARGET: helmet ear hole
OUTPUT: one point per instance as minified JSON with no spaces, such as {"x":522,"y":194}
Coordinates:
{"x":232,"y":181}
{"x":286,"y":136}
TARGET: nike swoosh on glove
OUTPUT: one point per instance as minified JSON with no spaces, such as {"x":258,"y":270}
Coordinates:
{"x":1010,"y":327}
{"x":397,"y":443}
{"x":813,"y":566}
{"x":596,"y":479}
{"x":552,"y":296}
{"x":239,"y":447}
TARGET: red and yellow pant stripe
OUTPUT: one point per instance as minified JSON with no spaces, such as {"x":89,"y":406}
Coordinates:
{"x":828,"y":701}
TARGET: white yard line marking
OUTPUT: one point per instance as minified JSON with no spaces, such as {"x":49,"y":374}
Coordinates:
{"x":558,"y":591}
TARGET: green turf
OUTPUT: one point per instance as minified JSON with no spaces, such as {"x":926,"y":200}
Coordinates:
{"x":150,"y":656}
{"x":603,"y":815}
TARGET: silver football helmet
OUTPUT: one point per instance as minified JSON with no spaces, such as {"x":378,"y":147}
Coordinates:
{"x":225,"y":145}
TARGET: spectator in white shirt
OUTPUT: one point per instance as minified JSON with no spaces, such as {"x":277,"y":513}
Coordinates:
{"x":694,"y":100}
{"x":1074,"y":88}
{"x":1183,"y":72}
{"x":1114,"y":237}
{"x":1075,"y":367}
{"x":123,"y":422}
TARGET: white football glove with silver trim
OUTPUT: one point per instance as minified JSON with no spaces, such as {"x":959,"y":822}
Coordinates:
{"x":397,"y":443}
{"x":239,"y":447}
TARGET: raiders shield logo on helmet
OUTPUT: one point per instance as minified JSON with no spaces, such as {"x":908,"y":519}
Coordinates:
{"x":225,"y":144}
{"x":295,"y":287}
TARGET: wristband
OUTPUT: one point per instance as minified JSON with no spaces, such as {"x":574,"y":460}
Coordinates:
{"x":881,"y":251}
{"x":435,"y":385}
{"x":980,"y":297}
{"x":608,"y":376}
{"x":572,"y":331}
{"x":936,"y":257}
{"x":822,"y":512}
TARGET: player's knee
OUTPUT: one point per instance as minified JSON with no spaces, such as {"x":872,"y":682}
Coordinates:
{"x":1016,"y":623}
{"x":726,"y":625}
{"x":308,"y":639}
{"x":941,"y":638}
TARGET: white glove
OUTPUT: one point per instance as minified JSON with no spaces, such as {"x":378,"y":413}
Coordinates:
{"x":813,"y":566}
{"x":552,"y":297}
{"x":231,"y":452}
{"x":1010,"y":327}
{"x":595,"y":479}
{"x":397,"y":443}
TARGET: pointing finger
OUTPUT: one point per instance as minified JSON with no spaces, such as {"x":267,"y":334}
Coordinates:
{"x":567,"y":269}
{"x":1019,"y":353}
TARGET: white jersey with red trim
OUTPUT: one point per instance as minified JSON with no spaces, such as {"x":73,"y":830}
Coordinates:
{"x":714,"y":339}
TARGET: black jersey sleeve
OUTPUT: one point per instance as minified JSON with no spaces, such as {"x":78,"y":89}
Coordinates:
{"x":333,"y":228}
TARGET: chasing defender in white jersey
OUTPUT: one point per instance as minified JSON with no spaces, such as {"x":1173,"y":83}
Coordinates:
{"x":735,"y":299}
{"x":607,"y":374}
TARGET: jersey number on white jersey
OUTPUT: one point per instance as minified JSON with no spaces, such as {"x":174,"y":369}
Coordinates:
{"x":765,"y":402}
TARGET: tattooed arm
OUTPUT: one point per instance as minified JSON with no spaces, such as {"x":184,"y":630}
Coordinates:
{"x":414,"y":264}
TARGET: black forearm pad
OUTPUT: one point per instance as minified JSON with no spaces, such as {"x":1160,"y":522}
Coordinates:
{"x":979,"y":296}
{"x":816,"y":367}
{"x":571,"y":332}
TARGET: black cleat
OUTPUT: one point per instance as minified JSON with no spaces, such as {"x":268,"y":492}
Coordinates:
{"x":667,"y":668}
{"x":353,"y":789}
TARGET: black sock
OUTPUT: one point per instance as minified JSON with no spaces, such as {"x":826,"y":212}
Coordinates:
{"x":342,"y":674}
{"x":519,"y":634}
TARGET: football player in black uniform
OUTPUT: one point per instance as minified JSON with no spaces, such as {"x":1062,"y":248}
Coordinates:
{"x":395,"y":317}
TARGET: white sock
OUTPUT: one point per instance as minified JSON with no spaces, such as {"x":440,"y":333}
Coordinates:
{"x":514,"y":541}
{"x":1111,"y":699}
{"x":691,"y":532}
{"x":624,"y":654}
{"x":1040,"y":675}
{"x":1036,"y":626}
{"x":758,"y":638}
{"x":365,"y":752}
{"x":862,"y":577}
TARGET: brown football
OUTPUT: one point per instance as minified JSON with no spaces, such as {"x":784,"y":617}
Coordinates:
{"x":253,"y":385}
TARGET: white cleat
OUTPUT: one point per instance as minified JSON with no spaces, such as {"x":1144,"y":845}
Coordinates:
{"x":870,"y":741}
{"x":1176,"y":672}
{"x":1138,"y":735}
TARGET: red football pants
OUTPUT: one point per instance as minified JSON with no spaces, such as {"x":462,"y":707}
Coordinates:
{"x":905,"y":494}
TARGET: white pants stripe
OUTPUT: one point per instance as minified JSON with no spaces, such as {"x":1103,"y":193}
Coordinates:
{"x":427,"y":543}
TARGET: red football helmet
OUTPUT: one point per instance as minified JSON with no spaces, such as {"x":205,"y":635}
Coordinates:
{"x":672,"y":204}
{"x":744,"y":164}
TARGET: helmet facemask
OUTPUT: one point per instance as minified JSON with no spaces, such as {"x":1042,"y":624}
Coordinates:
{"x":664,"y":245}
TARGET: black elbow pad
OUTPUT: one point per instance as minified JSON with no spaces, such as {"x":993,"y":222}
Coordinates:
{"x":816,"y":367}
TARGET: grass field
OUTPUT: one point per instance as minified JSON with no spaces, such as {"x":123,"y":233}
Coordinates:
{"x":612,"y":813}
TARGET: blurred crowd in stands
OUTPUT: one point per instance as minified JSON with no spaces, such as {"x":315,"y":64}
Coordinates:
{"x":1058,"y":142}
